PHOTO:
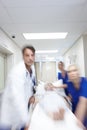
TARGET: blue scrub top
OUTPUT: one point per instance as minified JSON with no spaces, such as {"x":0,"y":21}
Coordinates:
{"x":77,"y":93}
{"x":65,"y":80}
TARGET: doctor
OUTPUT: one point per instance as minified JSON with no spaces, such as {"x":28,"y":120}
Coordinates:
{"x":19,"y":93}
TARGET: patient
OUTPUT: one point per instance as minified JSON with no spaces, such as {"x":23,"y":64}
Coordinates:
{"x":48,"y":114}
{"x":52,"y":113}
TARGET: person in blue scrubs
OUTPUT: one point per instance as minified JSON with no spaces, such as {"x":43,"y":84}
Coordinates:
{"x":77,"y":88}
{"x":63,"y":75}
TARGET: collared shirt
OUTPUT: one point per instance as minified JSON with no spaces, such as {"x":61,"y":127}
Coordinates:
{"x":29,"y":83}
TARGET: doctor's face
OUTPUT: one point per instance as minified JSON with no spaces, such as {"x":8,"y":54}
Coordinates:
{"x":29,"y":57}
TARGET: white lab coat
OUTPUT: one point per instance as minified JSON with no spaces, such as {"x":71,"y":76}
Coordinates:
{"x":14,"y":109}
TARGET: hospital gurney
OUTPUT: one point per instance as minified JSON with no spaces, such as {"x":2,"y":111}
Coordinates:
{"x":41,"y":121}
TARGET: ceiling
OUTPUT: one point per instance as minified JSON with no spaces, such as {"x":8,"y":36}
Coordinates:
{"x":42,"y":16}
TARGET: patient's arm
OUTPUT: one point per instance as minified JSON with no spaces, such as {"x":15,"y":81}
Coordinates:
{"x":50,"y":86}
{"x":59,"y":115}
{"x":61,"y":86}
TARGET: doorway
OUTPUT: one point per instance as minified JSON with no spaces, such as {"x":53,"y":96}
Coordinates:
{"x":46,"y":71}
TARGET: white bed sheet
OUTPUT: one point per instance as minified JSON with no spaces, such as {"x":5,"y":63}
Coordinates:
{"x":41,"y":121}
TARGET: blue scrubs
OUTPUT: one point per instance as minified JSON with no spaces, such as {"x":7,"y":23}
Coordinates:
{"x":65,"y":80}
{"x":77,"y":93}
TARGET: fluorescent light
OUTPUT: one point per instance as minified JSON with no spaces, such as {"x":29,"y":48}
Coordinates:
{"x":50,"y":58}
{"x":30,"y":36}
{"x":47,"y":51}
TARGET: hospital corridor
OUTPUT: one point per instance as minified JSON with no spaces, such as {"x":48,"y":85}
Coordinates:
{"x":43,"y":64}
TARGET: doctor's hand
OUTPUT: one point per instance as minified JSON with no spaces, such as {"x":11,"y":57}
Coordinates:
{"x":59,"y":115}
{"x":32,"y":100}
{"x":26,"y":128}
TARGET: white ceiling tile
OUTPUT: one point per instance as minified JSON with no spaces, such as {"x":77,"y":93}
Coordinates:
{"x":47,"y":15}
{"x":28,"y":3}
{"x":4,"y":16}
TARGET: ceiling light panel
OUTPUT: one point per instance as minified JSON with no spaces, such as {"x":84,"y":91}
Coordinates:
{"x":30,"y":36}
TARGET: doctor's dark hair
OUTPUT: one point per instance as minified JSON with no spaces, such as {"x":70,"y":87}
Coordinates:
{"x":28,"y":47}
